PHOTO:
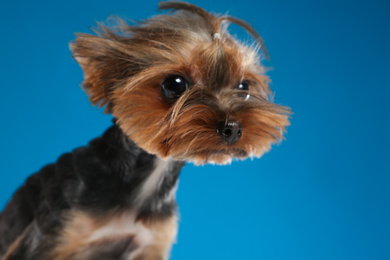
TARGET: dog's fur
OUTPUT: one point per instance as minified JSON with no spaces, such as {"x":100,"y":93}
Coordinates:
{"x":115,"y":198}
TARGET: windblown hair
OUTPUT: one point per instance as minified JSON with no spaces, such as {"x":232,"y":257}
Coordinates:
{"x":125,"y":65}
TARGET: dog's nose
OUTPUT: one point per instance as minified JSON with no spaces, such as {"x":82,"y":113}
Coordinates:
{"x":230,"y":130}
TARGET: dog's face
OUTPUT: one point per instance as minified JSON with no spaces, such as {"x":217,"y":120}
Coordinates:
{"x":181,"y":87}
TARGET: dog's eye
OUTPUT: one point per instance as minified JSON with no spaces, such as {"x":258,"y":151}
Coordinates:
{"x":244,"y":85}
{"x":173,"y":86}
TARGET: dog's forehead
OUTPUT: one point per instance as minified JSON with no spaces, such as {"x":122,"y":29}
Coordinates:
{"x":216,"y":65}
{"x":213,"y":56}
{"x":221,"y":63}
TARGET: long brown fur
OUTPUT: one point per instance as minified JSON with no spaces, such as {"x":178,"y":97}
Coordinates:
{"x":125,"y":66}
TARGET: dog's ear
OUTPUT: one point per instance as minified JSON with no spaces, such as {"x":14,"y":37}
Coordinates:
{"x":106,"y":65}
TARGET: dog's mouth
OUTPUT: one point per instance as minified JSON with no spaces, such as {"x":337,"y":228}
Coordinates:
{"x":206,"y":153}
{"x":233,"y":153}
{"x":223,"y":156}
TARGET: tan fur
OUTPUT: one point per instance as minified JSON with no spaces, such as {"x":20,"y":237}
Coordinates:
{"x":12,"y":247}
{"x":146,"y":237}
{"x":164,"y":233}
{"x":74,"y":236}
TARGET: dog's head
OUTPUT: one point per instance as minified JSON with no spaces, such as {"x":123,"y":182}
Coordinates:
{"x":181,"y":86}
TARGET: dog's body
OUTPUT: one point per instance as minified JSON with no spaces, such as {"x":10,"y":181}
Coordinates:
{"x":98,"y":202}
{"x":180,"y":89}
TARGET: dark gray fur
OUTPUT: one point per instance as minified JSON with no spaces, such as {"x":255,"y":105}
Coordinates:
{"x":105,"y":175}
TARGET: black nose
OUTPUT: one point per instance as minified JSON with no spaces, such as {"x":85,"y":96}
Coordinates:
{"x":231,"y":131}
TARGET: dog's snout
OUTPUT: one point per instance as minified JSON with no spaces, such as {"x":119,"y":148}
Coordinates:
{"x":230,"y":130}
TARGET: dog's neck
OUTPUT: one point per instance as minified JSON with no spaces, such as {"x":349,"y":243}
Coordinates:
{"x":126,"y":176}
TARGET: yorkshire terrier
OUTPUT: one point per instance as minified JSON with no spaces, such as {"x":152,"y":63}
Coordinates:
{"x":180,"y":88}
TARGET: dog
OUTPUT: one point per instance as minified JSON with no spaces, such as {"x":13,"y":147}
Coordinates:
{"x":180,"y":89}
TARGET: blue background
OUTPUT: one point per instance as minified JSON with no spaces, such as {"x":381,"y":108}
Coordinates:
{"x":324,"y":193}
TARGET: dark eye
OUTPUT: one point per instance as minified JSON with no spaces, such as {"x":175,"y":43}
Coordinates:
{"x":173,"y":86}
{"x":244,"y":85}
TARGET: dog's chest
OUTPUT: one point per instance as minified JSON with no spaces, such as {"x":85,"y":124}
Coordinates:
{"x":125,"y":226}
{"x":121,"y":236}
{"x":125,"y":234}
